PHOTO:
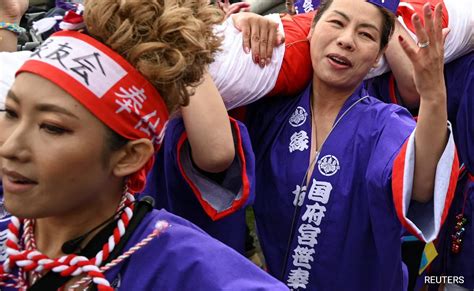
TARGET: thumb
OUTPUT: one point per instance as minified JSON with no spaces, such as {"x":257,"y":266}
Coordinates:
{"x":445,"y":33}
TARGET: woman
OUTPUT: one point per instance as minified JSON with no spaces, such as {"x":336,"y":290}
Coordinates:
{"x":80,"y":128}
{"x":340,"y":174}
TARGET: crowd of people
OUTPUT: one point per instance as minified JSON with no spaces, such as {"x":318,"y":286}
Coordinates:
{"x":136,"y":134}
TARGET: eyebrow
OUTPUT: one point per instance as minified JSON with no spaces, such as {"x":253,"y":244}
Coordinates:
{"x":368,"y":25}
{"x":44,"y":107}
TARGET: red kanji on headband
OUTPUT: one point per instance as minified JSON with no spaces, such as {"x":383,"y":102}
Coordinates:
{"x":106,"y":84}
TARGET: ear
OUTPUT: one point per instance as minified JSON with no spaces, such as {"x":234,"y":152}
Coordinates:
{"x":132,"y":157}
{"x":379,"y":56}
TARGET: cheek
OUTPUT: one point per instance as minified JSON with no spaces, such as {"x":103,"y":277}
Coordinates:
{"x":66,"y":163}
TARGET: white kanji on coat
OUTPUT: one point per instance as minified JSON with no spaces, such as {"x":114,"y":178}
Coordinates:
{"x":299,"y":141}
{"x":300,"y":194}
{"x":320,"y":191}
{"x":303,"y":257}
{"x":308,"y":234}
{"x":314,"y":213}
{"x":298,"y":278}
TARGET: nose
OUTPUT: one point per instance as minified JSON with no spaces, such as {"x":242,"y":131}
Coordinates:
{"x":346,"y":40}
{"x":13,"y":143}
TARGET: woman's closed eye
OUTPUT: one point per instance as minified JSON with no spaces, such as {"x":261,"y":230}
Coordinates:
{"x":54,"y":129}
{"x":9,"y":113}
{"x":367,"y":35}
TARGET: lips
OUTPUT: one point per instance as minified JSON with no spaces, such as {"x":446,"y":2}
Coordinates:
{"x":15,"y":182}
{"x":340,"y":60}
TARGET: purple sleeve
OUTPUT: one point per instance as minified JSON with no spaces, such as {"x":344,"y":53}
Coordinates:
{"x":185,"y":258}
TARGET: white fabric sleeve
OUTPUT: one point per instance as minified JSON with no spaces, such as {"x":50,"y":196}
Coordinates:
{"x":10,"y":62}
{"x":425,"y":219}
{"x":460,"y":39}
{"x":237,"y":78}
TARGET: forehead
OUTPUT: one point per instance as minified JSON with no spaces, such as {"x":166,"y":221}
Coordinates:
{"x":357,"y":10}
{"x":32,"y":89}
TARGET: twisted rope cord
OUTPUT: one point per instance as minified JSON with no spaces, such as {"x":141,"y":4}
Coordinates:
{"x":31,"y":260}
{"x":160,"y":227}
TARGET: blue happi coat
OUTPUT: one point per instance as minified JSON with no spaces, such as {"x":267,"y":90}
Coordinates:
{"x":183,"y":257}
{"x":460,"y":89}
{"x":341,"y":231}
{"x":215,"y":206}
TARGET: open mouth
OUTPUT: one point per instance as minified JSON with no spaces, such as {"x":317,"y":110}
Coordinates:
{"x":340,"y":60}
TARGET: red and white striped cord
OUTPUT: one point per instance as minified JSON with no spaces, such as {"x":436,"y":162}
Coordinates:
{"x":160,"y":227}
{"x":71,"y":265}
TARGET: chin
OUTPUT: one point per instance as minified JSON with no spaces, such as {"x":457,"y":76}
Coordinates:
{"x":19,"y":208}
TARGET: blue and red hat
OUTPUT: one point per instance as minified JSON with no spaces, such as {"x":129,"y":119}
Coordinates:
{"x":303,"y":6}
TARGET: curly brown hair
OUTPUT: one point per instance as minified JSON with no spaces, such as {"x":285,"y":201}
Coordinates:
{"x":170,"y":42}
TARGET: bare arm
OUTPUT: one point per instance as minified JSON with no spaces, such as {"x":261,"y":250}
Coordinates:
{"x":402,"y":68}
{"x":11,"y":11}
{"x":431,"y":131}
{"x":208,"y":128}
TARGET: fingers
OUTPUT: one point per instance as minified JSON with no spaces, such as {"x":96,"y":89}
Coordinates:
{"x":263,"y":46}
{"x":244,"y":27}
{"x":438,"y":22}
{"x":255,"y":40}
{"x":429,"y":23}
{"x":407,"y":48}
{"x":419,"y":30}
{"x":272,"y":38}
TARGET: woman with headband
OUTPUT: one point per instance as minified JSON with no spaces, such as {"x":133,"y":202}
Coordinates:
{"x":80,"y":127}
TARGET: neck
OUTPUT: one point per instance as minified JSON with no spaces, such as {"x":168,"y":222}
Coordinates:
{"x":329,"y":99}
{"x":52,"y":232}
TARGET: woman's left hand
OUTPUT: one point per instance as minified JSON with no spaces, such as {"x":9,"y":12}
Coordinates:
{"x":428,"y":57}
{"x":230,"y":9}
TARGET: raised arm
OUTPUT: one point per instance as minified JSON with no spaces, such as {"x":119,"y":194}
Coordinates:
{"x":431,"y":131}
{"x":402,"y":67}
{"x":208,"y":128}
{"x":11,"y":12}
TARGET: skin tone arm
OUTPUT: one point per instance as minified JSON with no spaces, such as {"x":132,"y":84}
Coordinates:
{"x":10,"y":11}
{"x":431,"y":134}
{"x":208,"y":128}
{"x":402,"y":68}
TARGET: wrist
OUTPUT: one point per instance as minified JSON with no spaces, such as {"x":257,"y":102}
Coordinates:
{"x":11,"y":27}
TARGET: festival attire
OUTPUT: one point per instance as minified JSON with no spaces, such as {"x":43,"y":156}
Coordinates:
{"x":215,"y":206}
{"x":456,"y":242}
{"x":166,"y":250}
{"x":344,"y":226}
{"x":182,"y":257}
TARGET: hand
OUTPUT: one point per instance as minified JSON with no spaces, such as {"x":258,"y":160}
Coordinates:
{"x":428,"y":57}
{"x":260,"y":35}
{"x":12,"y":10}
{"x":230,"y":9}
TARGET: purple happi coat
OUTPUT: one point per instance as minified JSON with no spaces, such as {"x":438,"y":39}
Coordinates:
{"x":459,"y":76}
{"x":304,"y":6}
{"x":183,"y":257}
{"x":341,"y":231}
{"x":215,"y":206}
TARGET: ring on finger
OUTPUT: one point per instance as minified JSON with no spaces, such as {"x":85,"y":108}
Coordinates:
{"x":423,"y":44}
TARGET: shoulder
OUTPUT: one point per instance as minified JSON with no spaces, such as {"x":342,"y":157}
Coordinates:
{"x":185,"y":258}
{"x":383,"y":114}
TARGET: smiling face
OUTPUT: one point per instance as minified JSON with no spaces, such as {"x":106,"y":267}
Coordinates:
{"x":345,"y":43}
{"x":51,"y":151}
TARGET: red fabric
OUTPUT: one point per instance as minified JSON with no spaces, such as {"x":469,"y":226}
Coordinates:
{"x":296,"y":70}
{"x":397,"y":188}
{"x":405,"y":11}
{"x":131,"y":125}
{"x":236,"y":204}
